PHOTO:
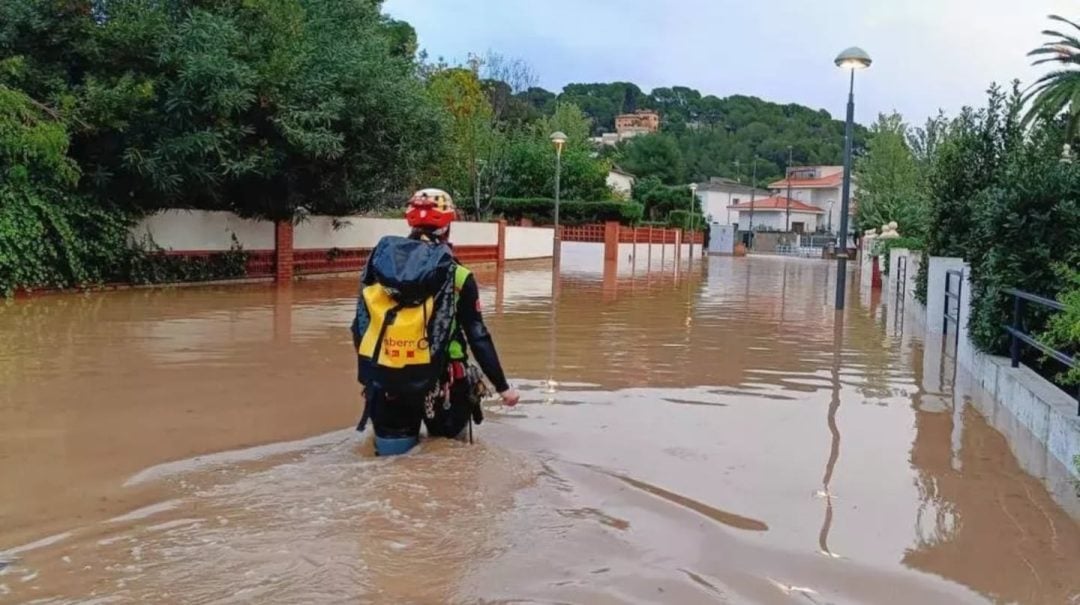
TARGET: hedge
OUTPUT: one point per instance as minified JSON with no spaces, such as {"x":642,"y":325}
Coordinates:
{"x":541,"y":211}
{"x":680,"y":219}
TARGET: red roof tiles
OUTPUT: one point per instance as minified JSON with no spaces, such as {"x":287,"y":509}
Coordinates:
{"x":777,"y":204}
{"x":828,"y":182}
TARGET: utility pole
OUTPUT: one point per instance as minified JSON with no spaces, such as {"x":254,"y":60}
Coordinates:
{"x":788,"y":203}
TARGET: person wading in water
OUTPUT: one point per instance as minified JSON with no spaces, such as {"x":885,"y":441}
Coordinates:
{"x":418,"y":309}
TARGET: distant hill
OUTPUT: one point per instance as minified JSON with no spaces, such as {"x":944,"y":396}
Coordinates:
{"x":710,"y":132}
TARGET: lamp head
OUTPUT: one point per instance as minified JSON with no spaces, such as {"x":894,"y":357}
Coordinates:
{"x":853,"y":58}
{"x":559,"y":139}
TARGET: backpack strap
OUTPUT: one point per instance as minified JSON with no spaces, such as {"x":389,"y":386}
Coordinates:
{"x":391,"y":315}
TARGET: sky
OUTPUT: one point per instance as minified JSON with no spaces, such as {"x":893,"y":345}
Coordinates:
{"x":928,"y":54}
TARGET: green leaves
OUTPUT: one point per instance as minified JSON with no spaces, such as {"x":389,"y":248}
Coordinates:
{"x":892,"y":184}
{"x":541,"y":211}
{"x":1058,"y":91}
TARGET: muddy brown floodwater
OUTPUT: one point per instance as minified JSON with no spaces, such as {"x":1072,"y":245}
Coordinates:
{"x":694,"y":434}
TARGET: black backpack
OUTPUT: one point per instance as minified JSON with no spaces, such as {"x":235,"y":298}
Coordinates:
{"x":404,"y":316}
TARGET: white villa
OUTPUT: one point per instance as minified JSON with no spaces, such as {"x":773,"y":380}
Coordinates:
{"x":816,"y":186}
{"x":718,"y":195}
{"x":620,"y":182}
{"x":771,"y":214}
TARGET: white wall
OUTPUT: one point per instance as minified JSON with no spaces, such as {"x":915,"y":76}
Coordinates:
{"x":475,"y":234}
{"x":318,"y":232}
{"x":184,"y":230}
{"x":529,"y":242}
{"x":821,"y":199}
{"x":714,"y":205}
{"x":620,"y":183}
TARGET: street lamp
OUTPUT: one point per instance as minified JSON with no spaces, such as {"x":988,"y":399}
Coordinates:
{"x":693,"y":198}
{"x":851,"y":59}
{"x":788,"y":202}
{"x":753,"y":194}
{"x":559,"y":140}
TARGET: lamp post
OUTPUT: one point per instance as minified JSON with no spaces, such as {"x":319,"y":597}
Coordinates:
{"x":851,"y":59}
{"x":693,"y":198}
{"x":753,"y":193}
{"x":831,"y":202}
{"x":559,"y":140}
{"x":788,"y":202}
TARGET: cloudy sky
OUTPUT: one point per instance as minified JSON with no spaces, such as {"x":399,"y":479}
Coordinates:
{"x":928,"y":54}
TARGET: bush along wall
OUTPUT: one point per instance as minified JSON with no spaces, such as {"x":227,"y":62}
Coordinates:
{"x":541,"y":211}
{"x":149,"y":264}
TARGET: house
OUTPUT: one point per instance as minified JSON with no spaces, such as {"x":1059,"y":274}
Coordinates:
{"x":817,"y":186}
{"x":718,"y":195}
{"x":642,"y":121}
{"x":630,"y":125}
{"x":620,"y":182}
{"x":771,"y":214}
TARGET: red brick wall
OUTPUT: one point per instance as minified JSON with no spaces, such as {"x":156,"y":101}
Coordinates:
{"x":283,"y":245}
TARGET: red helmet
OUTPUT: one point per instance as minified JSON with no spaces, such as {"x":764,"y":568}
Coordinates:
{"x":431,"y":209}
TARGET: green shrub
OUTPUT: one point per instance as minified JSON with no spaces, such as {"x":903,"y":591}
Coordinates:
{"x":1063,"y":329}
{"x":681,"y":219}
{"x":884,"y":248}
{"x":541,"y":211}
{"x":148,"y":264}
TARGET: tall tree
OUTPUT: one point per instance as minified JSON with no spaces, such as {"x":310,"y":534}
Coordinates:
{"x":472,"y":136}
{"x":274,"y":108}
{"x":654,"y":155}
{"x":891,"y":185}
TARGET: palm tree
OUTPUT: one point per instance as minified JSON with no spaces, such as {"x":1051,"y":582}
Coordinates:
{"x":1059,"y":90}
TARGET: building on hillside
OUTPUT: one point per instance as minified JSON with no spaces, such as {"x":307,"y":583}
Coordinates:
{"x":718,"y":195}
{"x":630,"y":125}
{"x":620,"y":182}
{"x":642,"y":121}
{"x":770,"y":214}
{"x":817,"y":186}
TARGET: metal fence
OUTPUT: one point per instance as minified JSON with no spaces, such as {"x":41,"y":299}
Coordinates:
{"x":1019,"y":336}
{"x":954,"y":284}
{"x":803,"y":251}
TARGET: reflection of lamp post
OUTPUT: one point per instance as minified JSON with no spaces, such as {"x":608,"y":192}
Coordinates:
{"x":559,"y":139}
{"x":693,"y":199}
{"x":853,"y":58}
{"x":831,"y":202}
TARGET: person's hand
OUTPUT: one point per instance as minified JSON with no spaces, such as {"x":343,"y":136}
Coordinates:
{"x":510,"y":397}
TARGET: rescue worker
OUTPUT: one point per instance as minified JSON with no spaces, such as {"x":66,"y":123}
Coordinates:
{"x":452,"y":400}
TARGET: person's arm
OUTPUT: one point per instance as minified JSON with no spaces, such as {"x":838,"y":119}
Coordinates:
{"x":476,"y":333}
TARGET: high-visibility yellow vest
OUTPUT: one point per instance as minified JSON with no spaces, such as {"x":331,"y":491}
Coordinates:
{"x":457,"y":345}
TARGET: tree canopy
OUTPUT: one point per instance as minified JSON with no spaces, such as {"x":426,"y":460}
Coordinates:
{"x":273,"y":108}
{"x":712,"y":133}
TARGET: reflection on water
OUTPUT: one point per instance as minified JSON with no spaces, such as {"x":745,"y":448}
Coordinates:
{"x":705,"y":432}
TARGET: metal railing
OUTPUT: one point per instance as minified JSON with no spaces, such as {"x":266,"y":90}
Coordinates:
{"x":953,"y":299}
{"x":803,"y":251}
{"x":1018,"y":336}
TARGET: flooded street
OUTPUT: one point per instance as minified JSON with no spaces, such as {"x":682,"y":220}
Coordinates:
{"x":706,"y":433}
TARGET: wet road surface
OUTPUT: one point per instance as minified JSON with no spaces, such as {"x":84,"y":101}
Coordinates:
{"x":694,"y":434}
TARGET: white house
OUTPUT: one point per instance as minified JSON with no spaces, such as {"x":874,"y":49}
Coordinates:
{"x":718,"y":195}
{"x":620,"y":181}
{"x":771,"y":214}
{"x":817,"y":186}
